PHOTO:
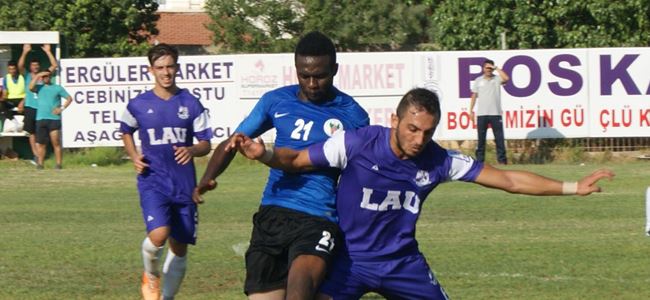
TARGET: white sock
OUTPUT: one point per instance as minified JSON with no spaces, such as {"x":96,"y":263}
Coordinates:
{"x":647,"y":212}
{"x":151,"y":256}
{"x":173,"y":274}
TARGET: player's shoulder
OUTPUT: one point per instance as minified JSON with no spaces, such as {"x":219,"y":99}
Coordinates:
{"x":284,"y":93}
{"x":368,"y":133}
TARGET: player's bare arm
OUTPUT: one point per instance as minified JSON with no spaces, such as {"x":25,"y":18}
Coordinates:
{"x":218,"y":163}
{"x":136,"y":158}
{"x":285,"y":159}
{"x":523,"y":182}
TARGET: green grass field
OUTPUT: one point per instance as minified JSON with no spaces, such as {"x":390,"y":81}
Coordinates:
{"x":76,"y":234}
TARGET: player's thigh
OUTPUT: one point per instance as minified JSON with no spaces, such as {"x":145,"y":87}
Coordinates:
{"x":314,"y":236}
{"x":184,"y":222}
{"x":411,"y":278}
{"x":156,"y":207}
{"x":267,"y":263}
{"x":345,"y":281}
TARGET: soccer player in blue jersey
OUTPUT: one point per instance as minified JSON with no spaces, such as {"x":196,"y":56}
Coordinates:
{"x":167,"y":119}
{"x":294,"y":231}
{"x":387,"y":173}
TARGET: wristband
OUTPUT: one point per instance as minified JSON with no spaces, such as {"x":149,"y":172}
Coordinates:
{"x":569,"y":188}
{"x":267,"y":156}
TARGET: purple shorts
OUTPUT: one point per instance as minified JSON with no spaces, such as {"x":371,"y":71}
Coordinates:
{"x":159,"y":210}
{"x":407,"y":277}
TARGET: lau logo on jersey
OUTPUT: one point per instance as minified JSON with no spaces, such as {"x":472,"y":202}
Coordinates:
{"x":170,"y":135}
{"x":394,"y":200}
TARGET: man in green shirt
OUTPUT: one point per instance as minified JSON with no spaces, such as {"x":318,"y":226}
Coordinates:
{"x":48,"y":115}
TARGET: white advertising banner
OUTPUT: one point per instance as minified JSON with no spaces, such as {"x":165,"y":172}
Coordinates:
{"x":619,"y":92}
{"x":552,"y":93}
{"x":545,"y":97}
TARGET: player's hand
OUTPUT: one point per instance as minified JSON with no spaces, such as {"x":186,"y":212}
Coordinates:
{"x":587,"y":185}
{"x":183,"y":155}
{"x":251,"y":149}
{"x":57,"y":111}
{"x":201,"y":188}
{"x":472,"y":116}
{"x":27,"y":48}
{"x":46,"y":47}
{"x":139,"y":164}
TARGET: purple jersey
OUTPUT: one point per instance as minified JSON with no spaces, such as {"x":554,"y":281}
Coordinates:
{"x":379,"y":196}
{"x":161,"y":125}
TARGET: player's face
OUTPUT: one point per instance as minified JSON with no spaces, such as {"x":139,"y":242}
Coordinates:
{"x":315,"y":77}
{"x":164,"y":71}
{"x":34,"y":67}
{"x":412,"y":132}
{"x":12,"y":70}
{"x":46,"y":79}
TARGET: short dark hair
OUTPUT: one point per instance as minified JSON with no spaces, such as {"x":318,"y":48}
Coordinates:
{"x":488,"y":61}
{"x":34,"y":60}
{"x":421,"y":98}
{"x":316,"y":43}
{"x":12,"y":63}
{"x":161,"y":50}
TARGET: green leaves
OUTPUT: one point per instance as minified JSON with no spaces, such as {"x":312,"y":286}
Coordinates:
{"x":89,"y":28}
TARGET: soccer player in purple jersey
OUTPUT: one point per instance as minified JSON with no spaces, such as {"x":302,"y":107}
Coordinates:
{"x":387,"y":173}
{"x":167,"y":119}
{"x":294,"y":231}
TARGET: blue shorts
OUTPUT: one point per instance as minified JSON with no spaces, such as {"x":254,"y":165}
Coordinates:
{"x":159,"y":210}
{"x":407,"y":277}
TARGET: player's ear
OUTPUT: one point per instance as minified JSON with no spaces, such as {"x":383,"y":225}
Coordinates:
{"x":394,"y":120}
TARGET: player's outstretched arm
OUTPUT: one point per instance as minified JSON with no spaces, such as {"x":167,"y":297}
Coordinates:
{"x":523,"y":182}
{"x":279,"y":158}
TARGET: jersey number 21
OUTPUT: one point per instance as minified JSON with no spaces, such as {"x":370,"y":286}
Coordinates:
{"x":302,"y":130}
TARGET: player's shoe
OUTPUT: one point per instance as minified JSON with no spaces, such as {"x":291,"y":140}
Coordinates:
{"x":150,"y":287}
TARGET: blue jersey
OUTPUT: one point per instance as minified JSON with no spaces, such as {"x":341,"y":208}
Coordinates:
{"x":162,"y":124}
{"x":380,"y":196}
{"x":299,"y":124}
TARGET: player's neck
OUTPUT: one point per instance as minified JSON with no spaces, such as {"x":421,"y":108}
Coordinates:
{"x":165,"y":93}
{"x":394,"y":146}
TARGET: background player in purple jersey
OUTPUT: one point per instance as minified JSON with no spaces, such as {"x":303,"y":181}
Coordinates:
{"x":294,"y":232}
{"x":386,"y":175}
{"x":167,"y":119}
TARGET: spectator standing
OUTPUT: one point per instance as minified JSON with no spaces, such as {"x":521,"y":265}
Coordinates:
{"x":30,"y":105}
{"x":48,"y":116}
{"x":486,"y":93}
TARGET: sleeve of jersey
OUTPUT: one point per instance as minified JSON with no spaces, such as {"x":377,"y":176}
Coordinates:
{"x":463,"y":167}
{"x":201,"y":126}
{"x":128,"y":123}
{"x":331,"y":153}
{"x":256,"y":122}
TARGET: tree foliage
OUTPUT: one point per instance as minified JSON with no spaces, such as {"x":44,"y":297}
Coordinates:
{"x":89,"y":28}
{"x":366,"y":25}
{"x":275,"y":26}
{"x":472,"y":24}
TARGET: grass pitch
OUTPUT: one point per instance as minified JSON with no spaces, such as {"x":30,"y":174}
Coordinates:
{"x":76,"y":234}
